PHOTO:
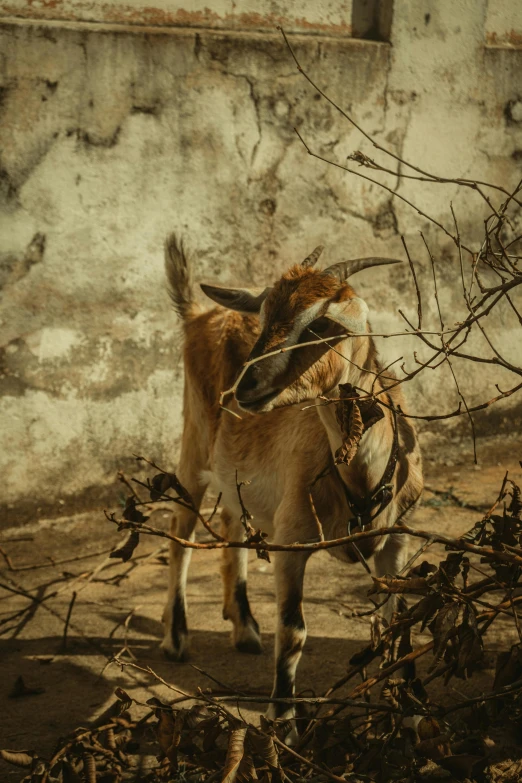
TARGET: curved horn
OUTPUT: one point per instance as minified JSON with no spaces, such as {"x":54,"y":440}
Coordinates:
{"x":345,"y":269}
{"x":312,"y":258}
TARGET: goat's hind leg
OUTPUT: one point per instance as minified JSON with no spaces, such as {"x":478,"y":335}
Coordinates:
{"x":236,"y":607}
{"x":175,"y":640}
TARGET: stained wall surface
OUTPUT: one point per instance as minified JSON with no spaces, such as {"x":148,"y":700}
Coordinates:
{"x":330,"y":16}
{"x":113,"y":133}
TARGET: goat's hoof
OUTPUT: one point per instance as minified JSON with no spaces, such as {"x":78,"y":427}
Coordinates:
{"x":247,"y":640}
{"x":291,"y":735}
{"x":292,"y":738}
{"x":172,"y":653}
{"x":250,"y":646}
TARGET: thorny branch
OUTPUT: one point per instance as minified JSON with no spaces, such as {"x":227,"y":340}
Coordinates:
{"x":256,"y":540}
{"x":492,"y":254}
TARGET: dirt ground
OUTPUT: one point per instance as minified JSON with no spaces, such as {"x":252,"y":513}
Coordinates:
{"x":119,"y":605}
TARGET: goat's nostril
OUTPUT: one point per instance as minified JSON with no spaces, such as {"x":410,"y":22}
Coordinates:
{"x":248,"y":382}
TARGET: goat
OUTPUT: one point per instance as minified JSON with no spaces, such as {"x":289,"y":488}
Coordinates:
{"x":287,"y":452}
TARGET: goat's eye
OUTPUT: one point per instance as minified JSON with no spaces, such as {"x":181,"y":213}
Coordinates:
{"x":319,"y":326}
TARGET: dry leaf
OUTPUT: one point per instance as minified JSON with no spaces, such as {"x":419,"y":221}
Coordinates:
{"x":235,"y":752}
{"x":264,"y":746}
{"x":390,"y":584}
{"x":131,"y":513}
{"x":435,"y":748}
{"x":443,"y":628}
{"x":428,"y":728}
{"x":20,"y":758}
{"x":125,"y":701}
{"x":162,"y":482}
{"x":126,"y":550}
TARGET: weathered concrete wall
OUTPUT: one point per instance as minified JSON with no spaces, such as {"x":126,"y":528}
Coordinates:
{"x":330,"y":16}
{"x":112,"y":138}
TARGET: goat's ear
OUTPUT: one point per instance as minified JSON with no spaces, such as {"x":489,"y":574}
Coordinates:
{"x":351,"y":314}
{"x":240,"y":299}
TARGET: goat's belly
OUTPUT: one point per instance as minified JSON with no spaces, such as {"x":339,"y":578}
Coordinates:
{"x":258,"y":494}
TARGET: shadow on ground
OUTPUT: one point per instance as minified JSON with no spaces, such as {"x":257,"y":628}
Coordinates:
{"x":118,"y":608}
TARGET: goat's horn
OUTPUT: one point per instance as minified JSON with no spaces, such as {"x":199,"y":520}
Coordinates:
{"x":345,"y":269}
{"x":312,"y":258}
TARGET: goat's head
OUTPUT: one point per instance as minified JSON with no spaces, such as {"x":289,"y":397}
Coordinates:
{"x":303,"y":305}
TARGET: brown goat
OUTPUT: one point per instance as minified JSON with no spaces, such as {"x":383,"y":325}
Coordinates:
{"x":282,"y":449}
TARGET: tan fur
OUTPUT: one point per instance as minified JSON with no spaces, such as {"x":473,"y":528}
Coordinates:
{"x":282,"y":451}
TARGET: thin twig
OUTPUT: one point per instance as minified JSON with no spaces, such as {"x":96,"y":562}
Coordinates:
{"x":67,"y":620}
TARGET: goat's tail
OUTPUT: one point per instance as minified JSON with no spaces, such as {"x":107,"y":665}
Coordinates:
{"x":179,"y":278}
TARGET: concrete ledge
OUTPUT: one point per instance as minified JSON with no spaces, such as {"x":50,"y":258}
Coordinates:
{"x":181,"y":30}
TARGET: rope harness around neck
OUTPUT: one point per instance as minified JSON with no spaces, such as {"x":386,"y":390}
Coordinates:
{"x":355,"y":417}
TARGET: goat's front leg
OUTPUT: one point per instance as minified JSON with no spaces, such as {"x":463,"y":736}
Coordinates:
{"x":291,"y":631}
{"x":175,"y":640}
{"x":389,"y":561}
{"x":236,"y":607}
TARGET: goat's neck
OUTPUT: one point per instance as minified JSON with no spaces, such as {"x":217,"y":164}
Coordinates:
{"x":367,"y":467}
